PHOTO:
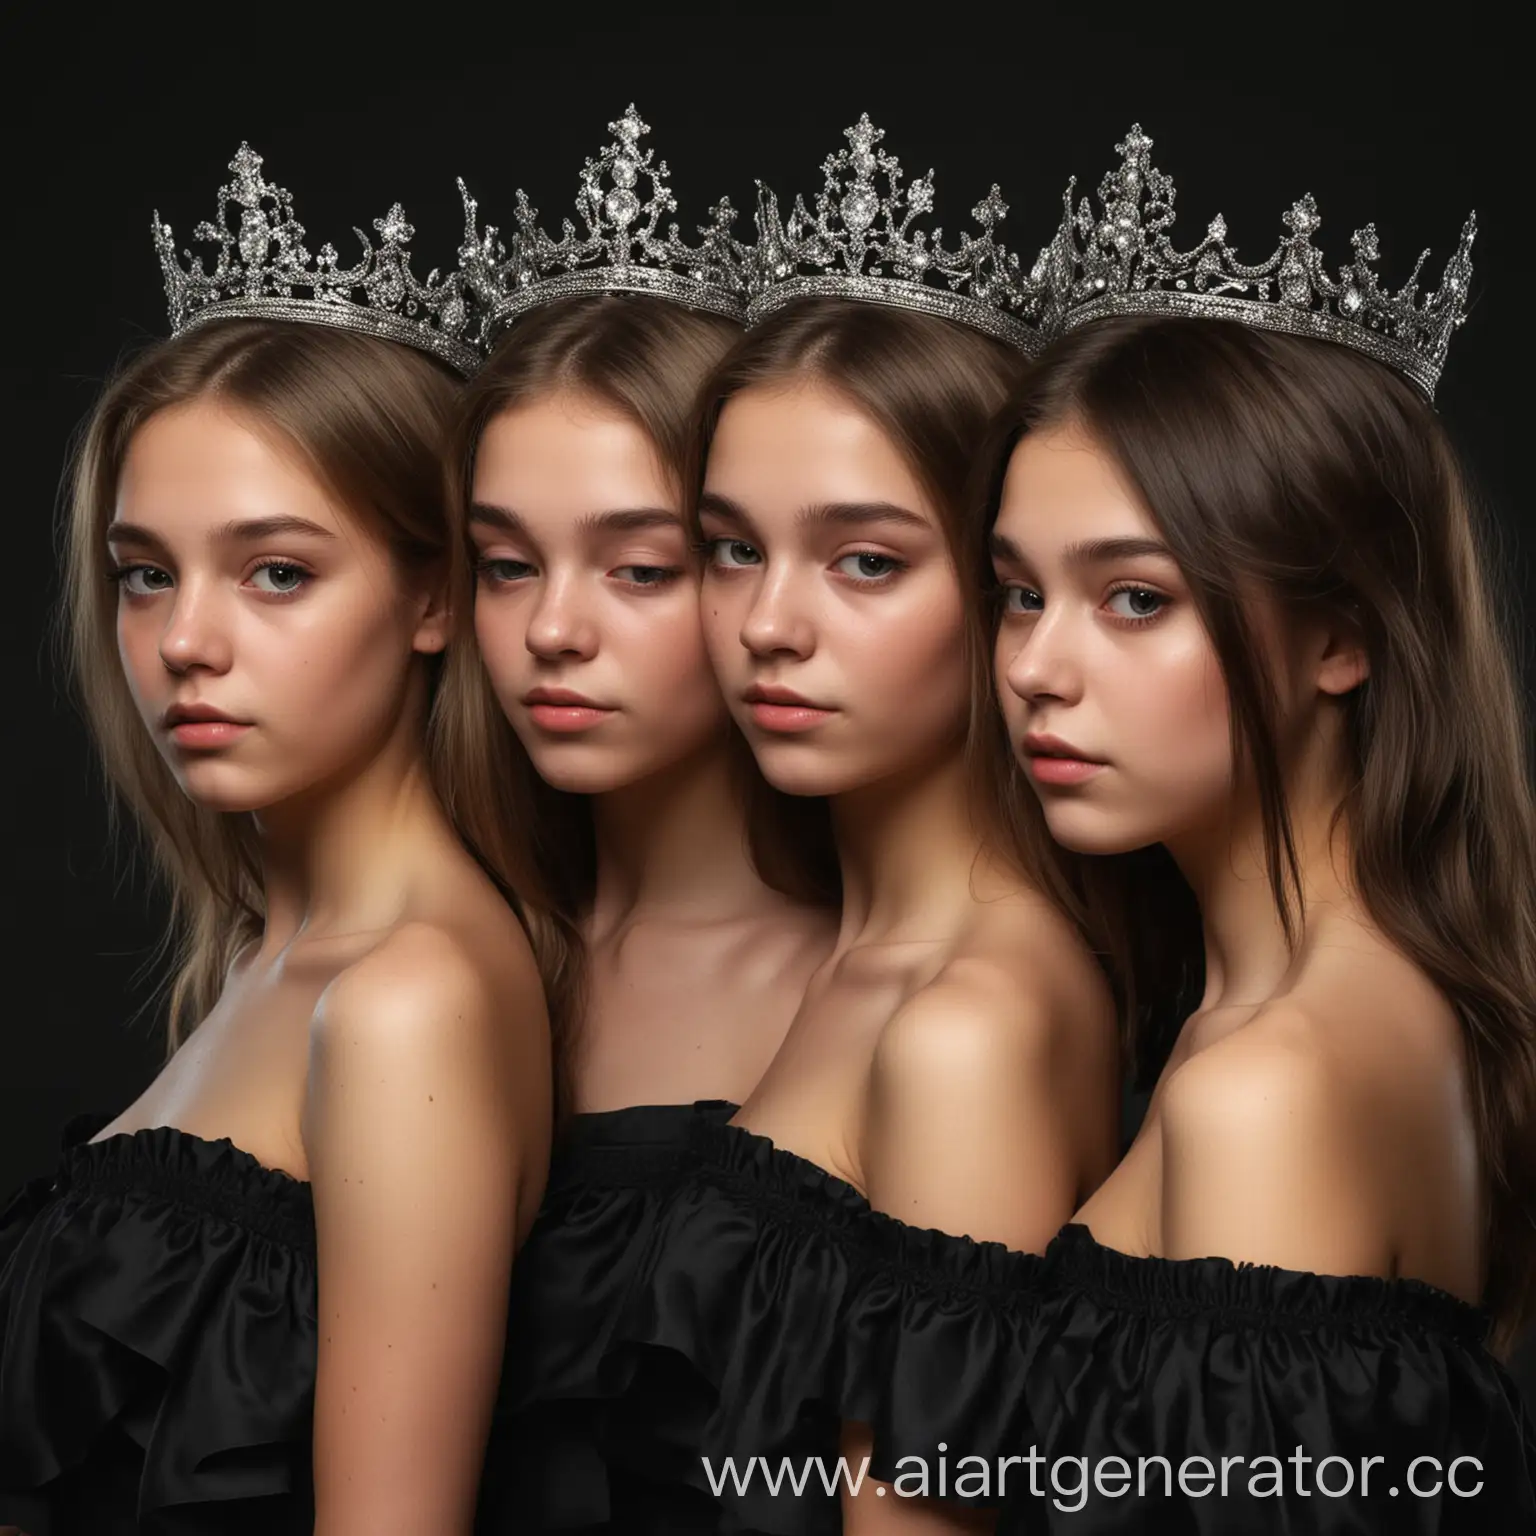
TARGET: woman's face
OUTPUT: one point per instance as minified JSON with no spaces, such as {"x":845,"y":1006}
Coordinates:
{"x":587,"y":601}
{"x":1109,"y":683}
{"x":831,"y":605}
{"x":267,"y":638}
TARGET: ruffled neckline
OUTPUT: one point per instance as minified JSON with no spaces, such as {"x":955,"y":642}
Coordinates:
{"x":214,"y":1177}
{"x":1263,"y":1292}
{"x":752,"y":1166}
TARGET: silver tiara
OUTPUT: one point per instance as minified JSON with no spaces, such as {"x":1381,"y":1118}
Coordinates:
{"x":262,"y":266}
{"x":860,"y":244}
{"x":623,"y":249}
{"x":1121,"y":261}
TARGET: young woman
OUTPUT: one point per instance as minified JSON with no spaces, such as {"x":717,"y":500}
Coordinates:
{"x":684,"y":902}
{"x":1247,"y":654}
{"x":953,"y":1064}
{"x":270,"y":1294}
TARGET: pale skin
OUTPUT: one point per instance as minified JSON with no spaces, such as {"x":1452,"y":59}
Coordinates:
{"x":588,"y":586}
{"x":954,"y":1058}
{"x":1314,"y":1112}
{"x":385,"y":1037}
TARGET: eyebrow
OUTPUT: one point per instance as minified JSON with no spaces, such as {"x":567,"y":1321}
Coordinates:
{"x":855,"y":514}
{"x":620,"y":520}
{"x":858,"y":513}
{"x":1088,"y":551}
{"x":246,"y":529}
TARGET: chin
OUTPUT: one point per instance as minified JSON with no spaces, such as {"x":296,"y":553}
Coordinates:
{"x":228,"y":789}
{"x":582,"y":770}
{"x":598,"y":768}
{"x":800,"y":769}
{"x":1088,"y":829}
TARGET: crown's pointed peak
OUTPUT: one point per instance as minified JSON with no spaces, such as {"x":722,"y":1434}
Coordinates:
{"x":1121,"y":260}
{"x":262,"y":270}
{"x":868,"y":236}
{"x":622,"y":245}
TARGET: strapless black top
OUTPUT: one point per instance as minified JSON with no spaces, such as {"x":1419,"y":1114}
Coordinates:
{"x":556,"y":1456}
{"x":768,"y":1303}
{"x":1246,"y":1398}
{"x":157,"y":1342}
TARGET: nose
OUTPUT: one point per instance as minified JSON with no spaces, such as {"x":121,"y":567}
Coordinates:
{"x":196,"y":632}
{"x":560,"y":625}
{"x":1045,"y":662}
{"x":778,"y":622}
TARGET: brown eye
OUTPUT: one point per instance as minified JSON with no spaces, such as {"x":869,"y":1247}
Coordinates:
{"x":143,"y":580}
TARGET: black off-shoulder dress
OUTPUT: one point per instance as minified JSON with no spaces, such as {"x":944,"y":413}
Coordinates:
{"x":1204,"y":1396}
{"x":758,"y":1302}
{"x":558,"y":1455}
{"x":157,"y":1342}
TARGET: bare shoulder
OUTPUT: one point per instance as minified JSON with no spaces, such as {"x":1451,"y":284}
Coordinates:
{"x":1019,"y":978}
{"x":993,"y":1008}
{"x":431,"y":986}
{"x":1275,"y":1076}
{"x":1273,"y":1153}
{"x":981,"y":1073}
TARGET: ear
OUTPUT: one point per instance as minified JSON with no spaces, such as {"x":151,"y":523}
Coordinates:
{"x":1341,"y":663}
{"x":434,"y":616}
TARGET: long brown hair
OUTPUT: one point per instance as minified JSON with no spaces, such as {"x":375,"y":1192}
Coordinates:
{"x":1308,"y":470}
{"x":370,"y":417}
{"x":644,"y":358}
{"x":933,"y":388}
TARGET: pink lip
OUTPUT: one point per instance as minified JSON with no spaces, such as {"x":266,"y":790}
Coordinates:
{"x":563,"y":710}
{"x":780,"y":709}
{"x":1061,"y":770}
{"x":202,"y":726}
{"x":789,"y":718}
{"x":1051,"y":760}
{"x":201,"y":734}
{"x":567,"y":718}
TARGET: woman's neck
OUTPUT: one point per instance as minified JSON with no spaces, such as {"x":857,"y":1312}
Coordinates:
{"x":674,"y":845}
{"x":909,"y":852}
{"x":340,"y":856}
{"x":1247,"y":954}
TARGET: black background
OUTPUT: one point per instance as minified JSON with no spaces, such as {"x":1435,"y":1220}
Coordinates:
{"x":1411,"y":134}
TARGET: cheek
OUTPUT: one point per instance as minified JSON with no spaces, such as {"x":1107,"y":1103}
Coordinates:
{"x":335,"y":667}
{"x":138,"y":649}
{"x":723,"y":605}
{"x":664,"y":653}
{"x":914,"y":655}
{"x":501,"y":633}
{"x":1179,"y":706}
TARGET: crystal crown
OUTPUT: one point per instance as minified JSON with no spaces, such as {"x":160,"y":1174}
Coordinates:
{"x":860,"y":243}
{"x":263,"y":271}
{"x":623,"y":196}
{"x":1120,"y":260}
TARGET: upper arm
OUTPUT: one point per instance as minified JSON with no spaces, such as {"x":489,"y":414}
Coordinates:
{"x":1263,"y":1164}
{"x":414,"y":1153}
{"x":968,"y":1126}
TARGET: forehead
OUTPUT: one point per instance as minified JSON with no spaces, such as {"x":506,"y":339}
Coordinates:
{"x":564,"y":455}
{"x":1061,"y":487}
{"x":205,"y":463}
{"x":778,"y":451}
